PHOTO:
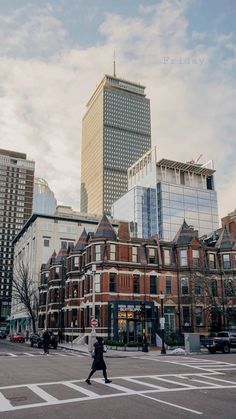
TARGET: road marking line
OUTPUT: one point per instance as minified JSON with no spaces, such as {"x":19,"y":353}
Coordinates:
{"x":132,"y":380}
{"x":174,"y":382}
{"x":29,"y":354}
{"x":62,"y":355}
{"x":81,"y":389}
{"x":13,"y":355}
{"x":4,"y":403}
{"x":205,"y":382}
{"x":172,"y":404}
{"x":42,"y":394}
{"x":117,"y":386}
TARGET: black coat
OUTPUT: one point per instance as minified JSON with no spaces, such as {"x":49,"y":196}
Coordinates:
{"x":98,"y":362}
{"x":46,"y":337}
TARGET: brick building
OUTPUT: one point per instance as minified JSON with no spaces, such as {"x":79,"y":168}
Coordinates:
{"x":119,"y":279}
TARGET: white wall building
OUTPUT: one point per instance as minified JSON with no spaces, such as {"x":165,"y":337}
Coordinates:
{"x":36,"y":242}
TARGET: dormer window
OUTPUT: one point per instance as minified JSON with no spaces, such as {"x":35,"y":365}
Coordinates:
{"x":212,"y":261}
{"x":151,"y":255}
{"x":167,"y":257}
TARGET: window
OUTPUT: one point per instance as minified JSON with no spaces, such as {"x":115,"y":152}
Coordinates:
{"x":197,"y":286}
{"x":89,"y":258}
{"x":229,"y":287}
{"x":186,"y":315}
{"x":46,"y":242}
{"x":112,"y":252}
{"x":97,"y":286}
{"x":134,"y":254}
{"x":214,"y":289}
{"x":199,"y":316}
{"x":87,"y":284}
{"x":168,"y":285}
{"x":152,"y":255}
{"x":166,"y":256}
{"x":212,"y":261}
{"x":74,"y":289}
{"x":56,"y":272}
{"x":226,"y":261}
{"x":136,"y":284}
{"x":183,"y":258}
{"x":153,"y":284}
{"x":184,"y":286}
{"x":113,"y":282}
{"x":196,"y":260}
{"x":97,"y":252}
{"x":76,"y":261}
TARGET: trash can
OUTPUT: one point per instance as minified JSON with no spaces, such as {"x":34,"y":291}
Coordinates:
{"x":192,"y":342}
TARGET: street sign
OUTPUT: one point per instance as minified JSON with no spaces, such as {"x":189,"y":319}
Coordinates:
{"x":162,"y":322}
{"x":94,"y":322}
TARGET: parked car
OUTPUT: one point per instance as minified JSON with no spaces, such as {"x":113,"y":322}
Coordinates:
{"x":17,"y":337}
{"x":223,"y":342}
{"x":37,"y":340}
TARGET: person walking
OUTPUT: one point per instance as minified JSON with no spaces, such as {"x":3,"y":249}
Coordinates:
{"x":46,"y":341}
{"x":98,"y":361}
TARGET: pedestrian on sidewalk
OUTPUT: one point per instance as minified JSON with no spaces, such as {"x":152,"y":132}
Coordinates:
{"x":98,"y":361}
{"x":46,"y":341}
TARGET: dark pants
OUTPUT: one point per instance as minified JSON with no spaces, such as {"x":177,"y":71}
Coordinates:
{"x":103,"y":371}
{"x":46,"y":347}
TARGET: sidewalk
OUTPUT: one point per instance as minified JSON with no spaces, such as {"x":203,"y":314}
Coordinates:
{"x":121,"y":353}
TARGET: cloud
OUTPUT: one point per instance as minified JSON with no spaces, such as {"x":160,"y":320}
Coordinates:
{"x":45,"y":88}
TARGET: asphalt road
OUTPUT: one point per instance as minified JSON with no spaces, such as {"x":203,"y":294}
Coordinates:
{"x":143,"y":385}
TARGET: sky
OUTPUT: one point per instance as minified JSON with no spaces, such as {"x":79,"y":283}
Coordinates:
{"x":54,"y":53}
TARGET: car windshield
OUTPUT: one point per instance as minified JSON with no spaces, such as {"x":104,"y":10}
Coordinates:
{"x":223,"y":335}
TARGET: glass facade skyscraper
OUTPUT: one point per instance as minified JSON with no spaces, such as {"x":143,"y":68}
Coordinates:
{"x":44,"y":199}
{"x":176,"y":191}
{"x":116,"y":132}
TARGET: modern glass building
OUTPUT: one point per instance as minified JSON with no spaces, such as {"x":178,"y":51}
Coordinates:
{"x":44,"y":199}
{"x":165,"y":192}
{"x":16,"y":200}
{"x":116,"y":132}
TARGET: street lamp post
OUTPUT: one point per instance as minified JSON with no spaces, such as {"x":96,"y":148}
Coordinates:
{"x":162,"y":323}
{"x":93,"y":331}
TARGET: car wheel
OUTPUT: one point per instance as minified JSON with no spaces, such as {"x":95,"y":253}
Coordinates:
{"x":212,"y":350}
{"x":226,"y":349}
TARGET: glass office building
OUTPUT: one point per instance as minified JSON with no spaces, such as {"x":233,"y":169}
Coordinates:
{"x":44,"y":199}
{"x":177,"y":191}
{"x":116,"y":131}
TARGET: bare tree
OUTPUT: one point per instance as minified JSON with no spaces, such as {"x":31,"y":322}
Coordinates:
{"x":24,"y":292}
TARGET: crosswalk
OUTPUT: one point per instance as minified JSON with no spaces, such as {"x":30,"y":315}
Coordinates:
{"x":25,"y":396}
{"x":200,"y":363}
{"x":4,"y":355}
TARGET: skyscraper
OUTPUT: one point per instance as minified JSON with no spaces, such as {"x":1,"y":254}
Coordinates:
{"x":116,"y":131}
{"x":44,"y":199}
{"x":162,"y":193}
{"x":16,"y":200}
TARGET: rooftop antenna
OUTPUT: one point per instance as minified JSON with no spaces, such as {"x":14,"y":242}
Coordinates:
{"x":114,"y":64}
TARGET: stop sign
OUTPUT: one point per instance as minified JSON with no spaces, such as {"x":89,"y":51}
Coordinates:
{"x":94,"y":322}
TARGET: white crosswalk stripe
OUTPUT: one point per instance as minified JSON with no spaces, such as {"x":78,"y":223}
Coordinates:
{"x":38,"y":354}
